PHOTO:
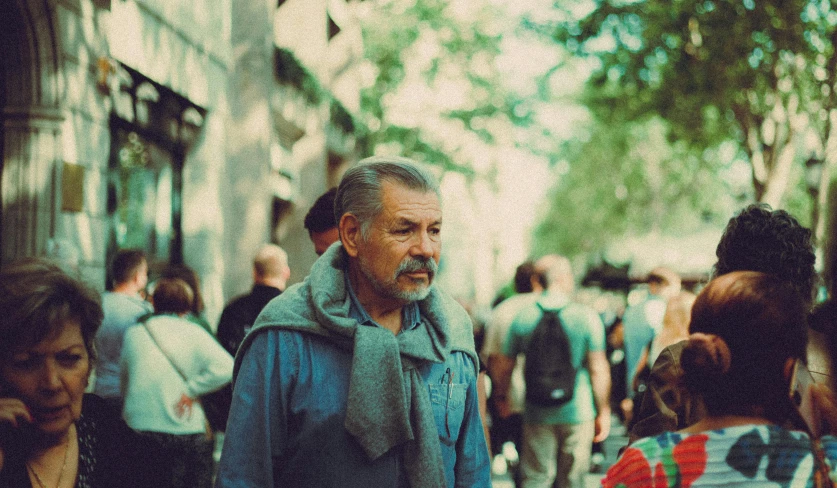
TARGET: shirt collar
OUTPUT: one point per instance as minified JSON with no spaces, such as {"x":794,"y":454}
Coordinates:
{"x":553,"y":300}
{"x":410,"y":315}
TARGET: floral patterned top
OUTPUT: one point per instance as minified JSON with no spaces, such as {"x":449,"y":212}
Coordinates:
{"x":747,"y":455}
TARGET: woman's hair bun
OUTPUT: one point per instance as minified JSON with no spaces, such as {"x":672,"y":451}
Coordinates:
{"x":706,"y":356}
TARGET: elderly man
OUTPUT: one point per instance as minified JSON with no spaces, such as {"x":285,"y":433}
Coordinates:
{"x":364,"y":375}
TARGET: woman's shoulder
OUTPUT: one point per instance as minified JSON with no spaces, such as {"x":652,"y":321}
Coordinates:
{"x":743,"y":436}
{"x":710,"y":457}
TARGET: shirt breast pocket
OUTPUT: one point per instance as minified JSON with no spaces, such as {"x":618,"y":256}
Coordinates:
{"x":448,"y":402}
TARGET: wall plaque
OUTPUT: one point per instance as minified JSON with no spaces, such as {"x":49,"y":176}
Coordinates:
{"x":72,"y":188}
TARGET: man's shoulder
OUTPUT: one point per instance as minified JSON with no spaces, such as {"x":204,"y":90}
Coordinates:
{"x":582,"y":314}
{"x":239,"y":302}
{"x":268,"y":343}
{"x":529,"y":314}
{"x":501,"y":320}
{"x":567,"y":309}
{"x":121,"y":304}
{"x":112,"y":296}
{"x":441,"y":306}
{"x":292,"y":306}
{"x":515,"y":303}
{"x":285,"y":335}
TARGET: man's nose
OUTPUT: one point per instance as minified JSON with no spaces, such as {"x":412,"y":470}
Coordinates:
{"x":424,"y":245}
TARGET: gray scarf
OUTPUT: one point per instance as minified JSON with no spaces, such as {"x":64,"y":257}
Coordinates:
{"x":388,"y":403}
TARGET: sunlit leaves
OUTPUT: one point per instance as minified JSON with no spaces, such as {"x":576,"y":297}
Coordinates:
{"x":447,"y":50}
{"x":756,"y":64}
{"x":627,"y":179}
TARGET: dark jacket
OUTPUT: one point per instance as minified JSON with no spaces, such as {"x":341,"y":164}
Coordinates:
{"x":238,"y":317}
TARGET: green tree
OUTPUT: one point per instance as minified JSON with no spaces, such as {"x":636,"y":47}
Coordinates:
{"x":444,"y":47}
{"x":629,"y":180}
{"x":757,"y":72}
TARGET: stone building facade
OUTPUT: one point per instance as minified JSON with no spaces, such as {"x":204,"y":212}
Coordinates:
{"x":167,"y":125}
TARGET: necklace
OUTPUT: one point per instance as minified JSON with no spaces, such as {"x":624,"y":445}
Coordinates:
{"x":63,"y":467}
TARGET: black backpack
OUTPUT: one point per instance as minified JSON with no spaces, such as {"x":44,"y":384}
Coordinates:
{"x":549,"y":372}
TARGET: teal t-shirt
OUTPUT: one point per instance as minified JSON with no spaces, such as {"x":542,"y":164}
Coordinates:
{"x":586,"y":334}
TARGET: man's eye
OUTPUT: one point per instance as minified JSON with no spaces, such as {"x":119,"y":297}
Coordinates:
{"x":402,"y":232}
{"x":435,"y":231}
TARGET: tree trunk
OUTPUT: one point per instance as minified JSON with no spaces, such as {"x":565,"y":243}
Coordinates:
{"x":829,"y":241}
{"x":777,"y":180}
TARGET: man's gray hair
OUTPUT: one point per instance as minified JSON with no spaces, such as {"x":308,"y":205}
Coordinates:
{"x":359,"y":192}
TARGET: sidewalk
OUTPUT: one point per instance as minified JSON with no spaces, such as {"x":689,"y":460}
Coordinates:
{"x":617,"y":439}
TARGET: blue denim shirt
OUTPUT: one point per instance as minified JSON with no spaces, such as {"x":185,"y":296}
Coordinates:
{"x":289,"y":406}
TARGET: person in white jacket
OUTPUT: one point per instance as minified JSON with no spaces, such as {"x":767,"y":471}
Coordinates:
{"x":168,"y":362}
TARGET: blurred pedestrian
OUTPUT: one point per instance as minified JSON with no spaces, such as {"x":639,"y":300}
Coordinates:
{"x":557,"y":438}
{"x":270,"y":277}
{"x":640,"y":324}
{"x":168,"y":362}
{"x":757,"y":239}
{"x":528,"y":286}
{"x":190,"y":276}
{"x":123,"y":306}
{"x":748,"y":331}
{"x":321,"y":223}
{"x":675,"y":325}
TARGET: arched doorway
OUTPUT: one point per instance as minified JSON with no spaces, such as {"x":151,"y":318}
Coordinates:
{"x":30,"y":126}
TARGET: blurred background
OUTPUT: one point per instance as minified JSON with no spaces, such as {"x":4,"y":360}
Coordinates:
{"x":623,"y":134}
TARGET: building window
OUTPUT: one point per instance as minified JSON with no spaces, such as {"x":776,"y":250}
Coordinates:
{"x":152,"y":130}
{"x":143,"y":196}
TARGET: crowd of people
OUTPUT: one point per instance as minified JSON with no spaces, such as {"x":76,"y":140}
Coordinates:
{"x":367,"y":373}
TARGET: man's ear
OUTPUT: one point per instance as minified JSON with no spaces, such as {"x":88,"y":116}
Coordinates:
{"x":349,"y":233}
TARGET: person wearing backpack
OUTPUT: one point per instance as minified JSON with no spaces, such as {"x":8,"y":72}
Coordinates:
{"x":567,"y":381}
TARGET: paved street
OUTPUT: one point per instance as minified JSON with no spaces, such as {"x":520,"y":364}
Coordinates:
{"x":614,"y":442}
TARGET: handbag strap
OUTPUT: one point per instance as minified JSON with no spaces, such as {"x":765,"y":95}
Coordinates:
{"x":822,"y":478}
{"x":165,"y":354}
{"x":208,"y":433}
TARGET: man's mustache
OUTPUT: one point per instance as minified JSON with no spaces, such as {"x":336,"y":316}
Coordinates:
{"x":412,"y":265}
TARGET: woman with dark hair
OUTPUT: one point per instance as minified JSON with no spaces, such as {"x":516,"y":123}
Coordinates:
{"x":51,"y":433}
{"x":168,"y":362}
{"x":748,"y":330}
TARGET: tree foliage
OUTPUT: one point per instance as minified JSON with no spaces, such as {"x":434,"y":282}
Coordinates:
{"x":629,"y":180}
{"x":405,"y":39}
{"x":758,"y":72}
